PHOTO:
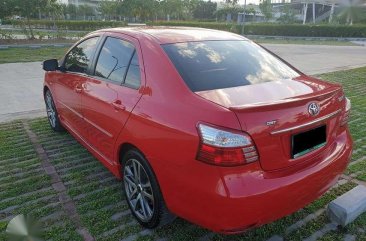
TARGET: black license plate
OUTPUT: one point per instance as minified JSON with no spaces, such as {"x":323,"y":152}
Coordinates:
{"x":308,"y":141}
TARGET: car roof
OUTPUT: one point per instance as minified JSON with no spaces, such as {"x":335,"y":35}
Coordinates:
{"x":164,"y":35}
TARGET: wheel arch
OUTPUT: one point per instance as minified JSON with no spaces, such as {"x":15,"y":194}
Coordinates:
{"x":45,"y":88}
{"x":124,"y":148}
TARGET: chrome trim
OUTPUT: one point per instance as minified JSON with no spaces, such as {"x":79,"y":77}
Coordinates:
{"x":98,"y":128}
{"x":323,"y":118}
{"x":70,"y":109}
{"x":88,"y":145}
{"x":87,"y":120}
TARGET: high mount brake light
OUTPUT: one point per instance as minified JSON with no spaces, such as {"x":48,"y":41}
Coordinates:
{"x":225,"y":148}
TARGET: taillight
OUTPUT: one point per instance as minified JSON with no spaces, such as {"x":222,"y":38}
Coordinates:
{"x":225,"y":148}
{"x":346,"y":113}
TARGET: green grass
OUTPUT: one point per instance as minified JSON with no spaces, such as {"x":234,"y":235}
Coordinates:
{"x":303,"y":42}
{"x":14,"y":55}
{"x":24,"y":187}
{"x":98,"y":195}
{"x":354,"y":84}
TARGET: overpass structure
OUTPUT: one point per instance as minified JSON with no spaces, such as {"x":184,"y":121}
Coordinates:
{"x":310,"y":10}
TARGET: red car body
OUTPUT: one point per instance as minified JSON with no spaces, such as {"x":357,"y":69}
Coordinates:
{"x":161,"y":117}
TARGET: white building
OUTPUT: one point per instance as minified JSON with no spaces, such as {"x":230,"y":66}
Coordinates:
{"x":91,"y":3}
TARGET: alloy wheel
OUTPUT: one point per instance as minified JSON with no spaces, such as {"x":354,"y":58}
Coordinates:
{"x":138,"y":190}
{"x":51,"y":111}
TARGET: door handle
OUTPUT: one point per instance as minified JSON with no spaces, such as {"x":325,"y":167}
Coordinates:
{"x":117,"y":104}
{"x":78,"y":89}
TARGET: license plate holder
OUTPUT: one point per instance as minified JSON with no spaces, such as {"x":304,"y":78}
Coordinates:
{"x":307,"y":141}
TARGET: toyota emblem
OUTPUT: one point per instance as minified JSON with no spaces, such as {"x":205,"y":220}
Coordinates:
{"x":313,"y":109}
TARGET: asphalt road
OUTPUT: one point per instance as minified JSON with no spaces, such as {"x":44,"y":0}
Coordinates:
{"x":317,"y":59}
{"x":21,"y":83}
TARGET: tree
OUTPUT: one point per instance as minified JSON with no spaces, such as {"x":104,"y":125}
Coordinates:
{"x":266,"y":8}
{"x":288,"y":16}
{"x":54,"y":9}
{"x":6,"y":8}
{"x":205,"y":10}
{"x":71,"y":10}
{"x":85,"y":10}
{"x":28,"y":9}
{"x":109,"y":8}
{"x":232,"y":2}
{"x":229,"y":10}
{"x":172,"y":8}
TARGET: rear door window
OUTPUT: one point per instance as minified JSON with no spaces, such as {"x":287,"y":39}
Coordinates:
{"x":114,"y":60}
{"x":133,"y":78}
{"x":208,"y":65}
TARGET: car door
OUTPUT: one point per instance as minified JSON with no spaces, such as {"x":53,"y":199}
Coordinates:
{"x":69,"y":81}
{"x":111,"y":94}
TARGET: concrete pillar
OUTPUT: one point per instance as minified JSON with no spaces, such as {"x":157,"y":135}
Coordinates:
{"x":331,"y":13}
{"x":305,"y":12}
{"x":313,"y":12}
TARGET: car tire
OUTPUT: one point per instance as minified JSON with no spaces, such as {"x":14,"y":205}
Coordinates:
{"x":142,"y":191}
{"x":52,"y":114}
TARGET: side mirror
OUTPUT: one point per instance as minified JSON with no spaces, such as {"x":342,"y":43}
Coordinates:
{"x":50,"y":65}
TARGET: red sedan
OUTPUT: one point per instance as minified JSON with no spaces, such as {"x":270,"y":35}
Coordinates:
{"x":201,"y":124}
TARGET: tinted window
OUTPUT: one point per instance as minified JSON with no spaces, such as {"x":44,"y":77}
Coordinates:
{"x":114,"y":59}
{"x":211,"y":65}
{"x":133,"y":73}
{"x":80,"y":56}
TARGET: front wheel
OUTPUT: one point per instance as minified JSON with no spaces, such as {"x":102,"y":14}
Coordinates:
{"x":142,"y":191}
{"x":52,"y":114}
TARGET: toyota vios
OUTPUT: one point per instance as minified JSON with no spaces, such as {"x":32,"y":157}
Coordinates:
{"x":201,"y":124}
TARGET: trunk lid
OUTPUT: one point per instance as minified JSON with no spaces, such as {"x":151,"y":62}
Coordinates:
{"x":273,"y":112}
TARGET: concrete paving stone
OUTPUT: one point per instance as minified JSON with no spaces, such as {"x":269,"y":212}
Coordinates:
{"x":86,"y":235}
{"x":53,"y":216}
{"x":59,"y":187}
{"x":346,"y":208}
{"x":342,"y":181}
{"x":63,"y":197}
{"x":304,"y":221}
{"x":133,"y":237}
{"x":116,"y":229}
{"x":349,"y":237}
{"x":320,"y":233}
{"x":275,"y":238}
{"x":49,"y":170}
{"x":55,"y":178}
{"x":207,"y":237}
{"x":119,"y":215}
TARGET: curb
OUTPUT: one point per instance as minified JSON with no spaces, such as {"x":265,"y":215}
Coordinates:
{"x":303,"y":38}
{"x":35,"y":46}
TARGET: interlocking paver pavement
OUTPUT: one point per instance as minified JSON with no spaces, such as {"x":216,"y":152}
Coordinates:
{"x":98,"y":199}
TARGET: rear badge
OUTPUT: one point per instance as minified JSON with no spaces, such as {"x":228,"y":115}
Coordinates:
{"x":313,"y":109}
{"x":271,"y":123}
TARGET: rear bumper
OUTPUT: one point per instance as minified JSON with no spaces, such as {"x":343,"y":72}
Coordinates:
{"x":231,"y":200}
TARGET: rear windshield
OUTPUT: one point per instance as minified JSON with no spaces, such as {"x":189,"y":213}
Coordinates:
{"x":210,"y":65}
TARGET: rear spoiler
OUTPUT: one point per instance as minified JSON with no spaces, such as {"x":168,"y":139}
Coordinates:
{"x":327,"y":94}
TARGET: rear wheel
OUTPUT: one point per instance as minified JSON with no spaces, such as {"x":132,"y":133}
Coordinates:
{"x":52,"y":114}
{"x":142,"y":191}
